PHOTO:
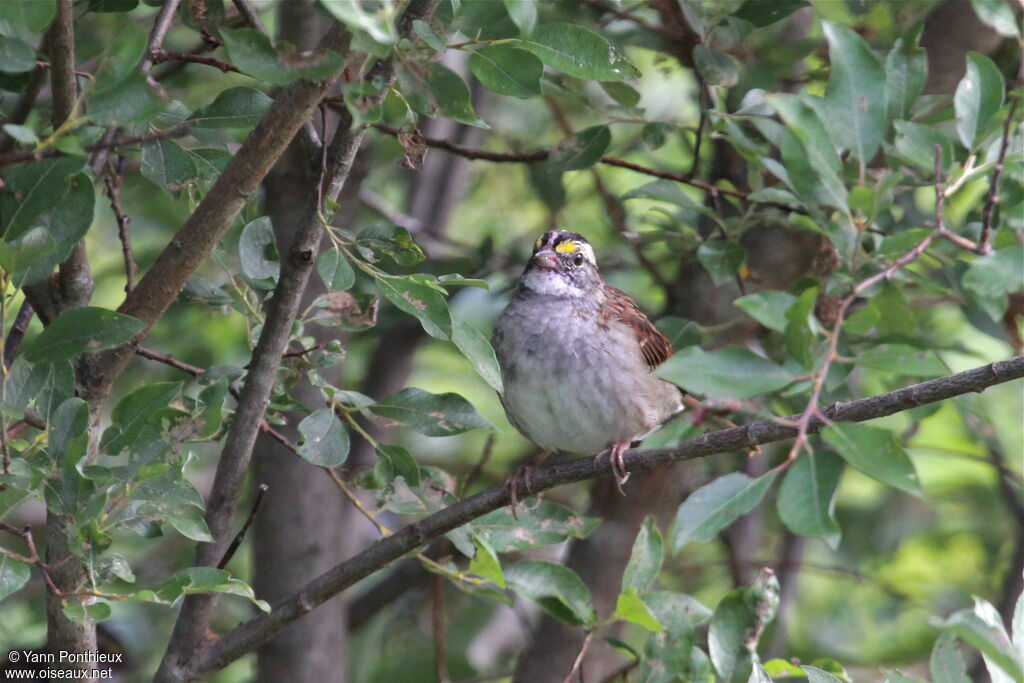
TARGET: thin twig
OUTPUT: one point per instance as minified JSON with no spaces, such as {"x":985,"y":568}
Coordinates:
{"x":159,"y":56}
{"x":240,"y":536}
{"x":112,"y":181}
{"x":251,"y":15}
{"x":21,"y":157}
{"x":578,"y":662}
{"x":260,"y":629}
{"x":985,"y":243}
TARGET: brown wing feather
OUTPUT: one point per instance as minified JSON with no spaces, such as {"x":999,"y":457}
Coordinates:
{"x":654,"y":346}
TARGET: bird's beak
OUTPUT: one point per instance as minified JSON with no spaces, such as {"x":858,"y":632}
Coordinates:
{"x":545,"y":258}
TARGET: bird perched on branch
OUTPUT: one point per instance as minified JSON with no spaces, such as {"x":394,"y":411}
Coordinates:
{"x":577,"y":359}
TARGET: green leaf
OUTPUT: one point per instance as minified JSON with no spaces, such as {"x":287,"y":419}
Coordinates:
{"x":485,"y":563}
{"x":542,"y":523}
{"x":430,"y":414}
{"x":474,"y":346}
{"x":816,"y":675}
{"x":378,"y":25}
{"x":875,"y":452}
{"x":992,"y":277}
{"x":999,"y":15}
{"x":579,"y":52}
{"x":130,"y":101}
{"x":646,"y":557}
{"x":946,"y":665}
{"x":730,"y":372}
{"x":902,"y":359}
{"x":977,"y":99}
{"x":232,"y":108}
{"x":679,"y":613}
{"x":16,"y":56}
{"x":13,"y":575}
{"x":200,"y":580}
{"x":419,"y":300}
{"x":257,"y":250}
{"x":556,"y":588}
{"x":325,"y":440}
{"x":721,"y":259}
{"x":716,"y":68}
{"x":727,"y":637}
{"x":715,"y":506}
{"x":451,"y":95}
{"x":989,"y":638}
{"x":580,"y":150}
{"x":524,"y":14}
{"x":624,"y":94}
{"x":80,"y":330}
{"x":166,"y":164}
{"x":335,"y":270}
{"x":768,"y":307}
{"x":906,"y":69}
{"x":507,"y":71}
{"x":761,"y":13}
{"x":632,"y":608}
{"x":915,"y":143}
{"x":38,"y":186}
{"x":26,"y":20}
{"x":806,"y":500}
{"x":140,"y":415}
{"x":855,"y":96}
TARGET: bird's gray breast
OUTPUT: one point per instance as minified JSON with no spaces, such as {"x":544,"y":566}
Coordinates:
{"x":570,"y":381}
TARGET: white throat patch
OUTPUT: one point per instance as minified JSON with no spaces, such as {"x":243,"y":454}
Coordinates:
{"x":544,"y":281}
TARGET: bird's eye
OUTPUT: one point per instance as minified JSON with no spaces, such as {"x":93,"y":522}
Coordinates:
{"x":577,"y":260}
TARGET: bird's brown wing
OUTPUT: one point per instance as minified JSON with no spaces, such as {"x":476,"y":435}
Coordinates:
{"x":654,"y":346}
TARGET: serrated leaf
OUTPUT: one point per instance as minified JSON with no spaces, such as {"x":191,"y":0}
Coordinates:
{"x":580,"y":150}
{"x":977,"y":99}
{"x":579,"y":52}
{"x":556,"y":588}
{"x":875,"y":452}
{"x":730,"y":372}
{"x":715,"y":506}
{"x":430,"y":414}
{"x":806,"y":499}
{"x":507,"y":71}
{"x":325,"y":440}
{"x":232,"y":108}
{"x":855,"y":96}
{"x":80,"y":330}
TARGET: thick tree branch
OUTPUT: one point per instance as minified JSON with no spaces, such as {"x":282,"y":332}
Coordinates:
{"x":197,"y":610}
{"x":252,"y":633}
{"x":159,"y":287}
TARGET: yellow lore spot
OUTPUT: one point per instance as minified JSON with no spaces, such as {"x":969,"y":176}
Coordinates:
{"x":567,"y":247}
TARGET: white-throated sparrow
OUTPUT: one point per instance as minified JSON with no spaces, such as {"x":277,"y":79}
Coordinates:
{"x":577,"y":357}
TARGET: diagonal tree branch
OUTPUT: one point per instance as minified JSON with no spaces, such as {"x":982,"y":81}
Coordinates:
{"x":159,"y":287}
{"x":252,"y":633}
{"x":197,"y":610}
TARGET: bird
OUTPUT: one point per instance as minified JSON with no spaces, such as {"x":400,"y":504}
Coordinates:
{"x":577,"y":359}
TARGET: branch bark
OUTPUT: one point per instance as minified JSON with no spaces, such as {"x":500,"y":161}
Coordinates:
{"x":197,"y":610}
{"x":252,"y":633}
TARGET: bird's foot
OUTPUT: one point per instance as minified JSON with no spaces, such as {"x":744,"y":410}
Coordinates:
{"x":521,"y":478}
{"x":615,"y":452}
